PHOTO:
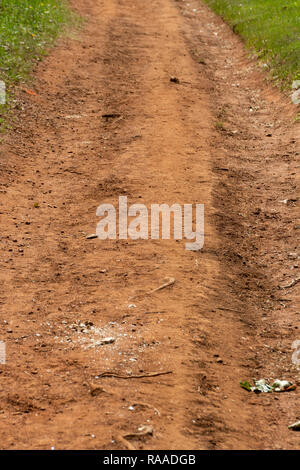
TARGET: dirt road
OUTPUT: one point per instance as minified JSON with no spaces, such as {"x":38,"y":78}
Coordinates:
{"x":222,"y":137}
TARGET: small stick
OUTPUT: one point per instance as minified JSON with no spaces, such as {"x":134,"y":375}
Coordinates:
{"x":170,"y":281}
{"x":157,"y":311}
{"x":120,"y":376}
{"x":291,"y":284}
{"x":126,"y":443}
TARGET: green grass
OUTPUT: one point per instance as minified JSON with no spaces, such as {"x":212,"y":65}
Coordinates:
{"x":27,"y":29}
{"x":271,"y":28}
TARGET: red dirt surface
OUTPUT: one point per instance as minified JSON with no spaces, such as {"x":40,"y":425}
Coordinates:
{"x":222,"y":136}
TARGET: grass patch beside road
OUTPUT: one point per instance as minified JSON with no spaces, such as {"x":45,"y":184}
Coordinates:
{"x":271,"y":28}
{"x":27,"y":29}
